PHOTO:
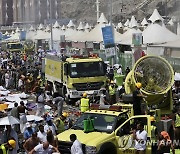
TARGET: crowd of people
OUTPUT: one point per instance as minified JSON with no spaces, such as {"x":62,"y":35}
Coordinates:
{"x":23,"y":73}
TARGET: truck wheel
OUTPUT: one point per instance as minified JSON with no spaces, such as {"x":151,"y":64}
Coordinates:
{"x":108,"y":148}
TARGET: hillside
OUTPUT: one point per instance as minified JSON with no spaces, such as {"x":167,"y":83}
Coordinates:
{"x":85,"y":10}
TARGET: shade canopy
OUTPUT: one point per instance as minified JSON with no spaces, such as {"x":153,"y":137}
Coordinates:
{"x":9,"y":120}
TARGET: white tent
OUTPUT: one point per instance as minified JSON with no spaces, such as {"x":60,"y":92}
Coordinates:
{"x":102,"y":19}
{"x":56,"y":25}
{"x":16,"y":35}
{"x":70,"y":30}
{"x":120,"y":25}
{"x":31,"y":33}
{"x":144,"y":22}
{"x":127,"y":36}
{"x":133,"y":23}
{"x":71,"y":24}
{"x":155,"y":17}
{"x":57,"y":32}
{"x":155,"y":33}
{"x":170,"y":44}
{"x":127,"y":23}
{"x":95,"y":35}
{"x":80,"y":27}
{"x":40,"y":35}
{"x":80,"y":32}
{"x":87,"y":27}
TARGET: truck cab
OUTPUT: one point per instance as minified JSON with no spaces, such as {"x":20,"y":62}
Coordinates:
{"x":112,"y":131}
{"x":73,"y":76}
{"x":14,"y":47}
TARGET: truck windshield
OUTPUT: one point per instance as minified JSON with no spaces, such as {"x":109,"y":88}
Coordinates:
{"x":102,"y":122}
{"x":14,"y":46}
{"x":86,"y":69}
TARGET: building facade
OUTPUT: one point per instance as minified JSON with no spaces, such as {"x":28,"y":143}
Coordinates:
{"x":28,"y":11}
{"x":6,"y":12}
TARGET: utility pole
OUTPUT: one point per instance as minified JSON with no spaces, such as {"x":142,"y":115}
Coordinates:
{"x":111,"y":12}
{"x":52,"y":43}
{"x":97,"y":9}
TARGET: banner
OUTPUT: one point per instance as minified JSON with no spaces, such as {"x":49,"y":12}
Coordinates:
{"x":108,"y":37}
{"x":110,"y":52}
{"x":22,"y":36}
{"x":137,"y":39}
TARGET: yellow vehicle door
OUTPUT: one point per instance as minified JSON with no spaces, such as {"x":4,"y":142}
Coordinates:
{"x":124,"y":134}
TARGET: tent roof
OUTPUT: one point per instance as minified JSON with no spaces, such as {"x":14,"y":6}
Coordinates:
{"x":30,"y":35}
{"x":48,"y":29}
{"x":40,"y":27}
{"x":95,"y":35}
{"x":31,"y":28}
{"x":87,"y":26}
{"x":77,"y":34}
{"x":155,"y":33}
{"x":120,"y":25}
{"x":14,"y":36}
{"x":133,"y":23}
{"x":70,"y":24}
{"x":144,"y":22}
{"x":17,"y":30}
{"x":171,"y":44}
{"x":56,"y":25}
{"x":63,"y":27}
{"x":6,"y":33}
{"x":155,"y":16}
{"x":40,"y":35}
{"x":102,"y":19}
{"x":57,"y":33}
{"x":12,"y":32}
{"x":69,"y":32}
{"x":80,"y":27}
{"x":127,"y":23}
{"x":127,"y":36}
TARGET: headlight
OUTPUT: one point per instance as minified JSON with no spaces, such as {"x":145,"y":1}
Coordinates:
{"x":91,"y":150}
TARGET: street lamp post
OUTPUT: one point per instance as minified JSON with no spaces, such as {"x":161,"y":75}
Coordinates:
{"x":52,"y":43}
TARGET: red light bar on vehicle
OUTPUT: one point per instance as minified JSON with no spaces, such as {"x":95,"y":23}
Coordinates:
{"x":94,"y":106}
{"x":105,"y":107}
{"x":77,"y":56}
{"x":115,"y":108}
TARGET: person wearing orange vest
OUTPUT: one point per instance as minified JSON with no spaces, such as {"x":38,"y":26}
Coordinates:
{"x":6,"y":147}
{"x":84,"y":103}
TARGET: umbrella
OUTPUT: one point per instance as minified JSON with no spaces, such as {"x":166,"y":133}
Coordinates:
{"x":9,"y":120}
{"x":33,"y":118}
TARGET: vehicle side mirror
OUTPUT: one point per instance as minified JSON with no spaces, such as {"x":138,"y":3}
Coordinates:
{"x":120,"y":132}
{"x":65,"y":69}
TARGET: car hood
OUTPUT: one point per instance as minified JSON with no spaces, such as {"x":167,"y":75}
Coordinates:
{"x":91,"y":138}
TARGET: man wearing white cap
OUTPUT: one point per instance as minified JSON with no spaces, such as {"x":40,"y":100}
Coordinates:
{"x":29,"y":131}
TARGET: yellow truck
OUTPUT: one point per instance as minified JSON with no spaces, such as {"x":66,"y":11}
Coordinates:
{"x":73,"y":76}
{"x":12,"y":47}
{"x":112,"y":131}
{"x":113,"y":125}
